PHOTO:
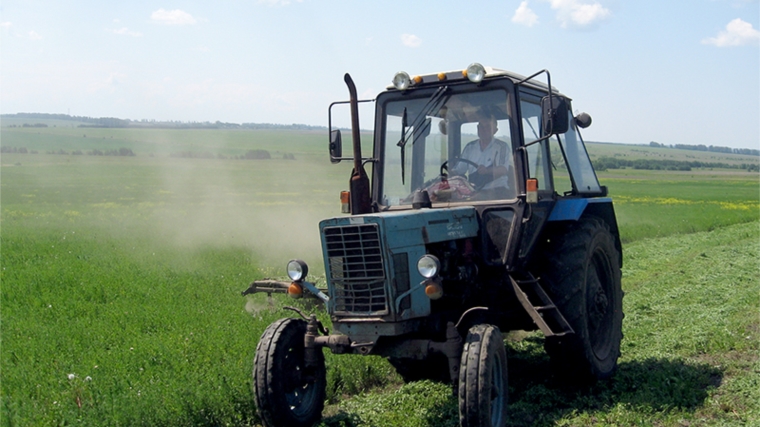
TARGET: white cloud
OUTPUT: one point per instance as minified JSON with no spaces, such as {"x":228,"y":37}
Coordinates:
{"x":577,"y":14}
{"x":737,"y":33}
{"x":410,"y":40}
{"x":172,"y":17}
{"x":6,"y":24}
{"x":124,"y":31}
{"x":525,"y":16}
{"x":34,"y":36}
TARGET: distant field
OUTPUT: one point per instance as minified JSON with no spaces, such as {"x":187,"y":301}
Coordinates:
{"x":121,"y":276}
{"x":661,"y":153}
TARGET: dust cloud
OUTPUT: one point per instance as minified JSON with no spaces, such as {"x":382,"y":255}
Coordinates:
{"x":271,"y":207}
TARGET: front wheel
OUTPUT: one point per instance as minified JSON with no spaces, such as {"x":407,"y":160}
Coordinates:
{"x":287,"y":392}
{"x":483,"y":392}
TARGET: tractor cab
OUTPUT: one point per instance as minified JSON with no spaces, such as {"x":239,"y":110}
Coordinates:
{"x":483,"y":137}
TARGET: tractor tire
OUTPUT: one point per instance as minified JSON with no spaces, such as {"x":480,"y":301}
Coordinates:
{"x":287,"y":393}
{"x":483,"y":389}
{"x":582,"y":276}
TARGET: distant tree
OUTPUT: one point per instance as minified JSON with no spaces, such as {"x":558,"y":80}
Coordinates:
{"x":257,"y":155}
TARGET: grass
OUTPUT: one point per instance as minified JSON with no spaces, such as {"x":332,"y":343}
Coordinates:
{"x":124,"y":274}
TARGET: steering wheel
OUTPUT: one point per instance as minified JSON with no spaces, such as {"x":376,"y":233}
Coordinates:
{"x":444,"y":176}
{"x":445,"y":165}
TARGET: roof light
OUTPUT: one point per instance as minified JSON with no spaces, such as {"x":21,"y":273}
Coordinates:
{"x":441,"y":76}
{"x":402,"y":81}
{"x":475,"y":72}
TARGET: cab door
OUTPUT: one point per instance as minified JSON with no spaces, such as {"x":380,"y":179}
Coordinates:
{"x":536,"y":157}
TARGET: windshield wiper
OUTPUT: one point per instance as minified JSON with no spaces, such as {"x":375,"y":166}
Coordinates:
{"x":433,"y":104}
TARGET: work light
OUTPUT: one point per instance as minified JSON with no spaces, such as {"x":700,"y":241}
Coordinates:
{"x":428,"y":266}
{"x":475,"y":72}
{"x":297,"y":270}
{"x":402,"y":81}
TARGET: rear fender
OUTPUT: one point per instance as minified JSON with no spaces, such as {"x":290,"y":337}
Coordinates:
{"x":599,"y":207}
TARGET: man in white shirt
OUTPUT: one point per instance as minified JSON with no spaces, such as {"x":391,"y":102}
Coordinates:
{"x":492,"y":157}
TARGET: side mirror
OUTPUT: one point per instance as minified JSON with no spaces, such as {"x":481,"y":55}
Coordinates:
{"x":336,"y":146}
{"x":554,"y":118}
{"x":583,"y":120}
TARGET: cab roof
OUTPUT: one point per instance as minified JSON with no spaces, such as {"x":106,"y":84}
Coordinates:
{"x":491,"y":72}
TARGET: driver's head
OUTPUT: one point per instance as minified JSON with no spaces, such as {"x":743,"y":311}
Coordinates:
{"x":487,"y":127}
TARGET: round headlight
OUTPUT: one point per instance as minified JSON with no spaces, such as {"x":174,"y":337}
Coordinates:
{"x":297,"y":270}
{"x":402,"y":81}
{"x":475,"y":72}
{"x":428,"y":266}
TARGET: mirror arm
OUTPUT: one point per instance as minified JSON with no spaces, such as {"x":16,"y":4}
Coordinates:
{"x":535,"y":142}
{"x":330,"y":127}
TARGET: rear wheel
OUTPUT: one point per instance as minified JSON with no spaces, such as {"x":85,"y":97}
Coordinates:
{"x":583,"y":280}
{"x":483,"y":392}
{"x":287,"y":392}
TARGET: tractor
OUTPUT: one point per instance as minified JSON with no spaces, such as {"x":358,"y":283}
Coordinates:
{"x":483,"y":215}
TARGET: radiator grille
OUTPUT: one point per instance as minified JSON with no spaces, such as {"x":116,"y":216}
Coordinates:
{"x":356,"y":270}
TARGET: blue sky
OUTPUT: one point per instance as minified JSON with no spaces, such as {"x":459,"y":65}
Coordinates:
{"x":675,"y":72}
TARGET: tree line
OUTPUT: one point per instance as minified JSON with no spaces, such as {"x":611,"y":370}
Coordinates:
{"x":126,"y":152}
{"x":709,"y":148}
{"x":605,"y":162}
{"x":113,"y":122}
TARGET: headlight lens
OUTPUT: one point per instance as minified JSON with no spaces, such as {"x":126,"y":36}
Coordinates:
{"x":402,"y":81}
{"x":428,"y":266}
{"x":297,"y":270}
{"x":475,"y":72}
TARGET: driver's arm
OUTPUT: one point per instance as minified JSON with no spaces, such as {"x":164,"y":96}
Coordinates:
{"x":495,"y":171}
{"x":461,"y":168}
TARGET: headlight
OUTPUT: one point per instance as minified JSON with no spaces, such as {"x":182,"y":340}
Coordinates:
{"x":428,"y":266}
{"x":475,"y":72}
{"x":297,"y":270}
{"x":402,"y":81}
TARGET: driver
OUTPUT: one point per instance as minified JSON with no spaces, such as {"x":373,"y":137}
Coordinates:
{"x":491,"y":155}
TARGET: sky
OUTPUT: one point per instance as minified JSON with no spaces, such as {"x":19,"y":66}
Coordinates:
{"x":674,"y":72}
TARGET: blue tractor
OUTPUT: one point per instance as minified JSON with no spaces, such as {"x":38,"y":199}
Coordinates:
{"x":483,"y":215}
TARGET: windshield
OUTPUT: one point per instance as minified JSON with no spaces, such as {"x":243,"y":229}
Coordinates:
{"x":456,"y":146}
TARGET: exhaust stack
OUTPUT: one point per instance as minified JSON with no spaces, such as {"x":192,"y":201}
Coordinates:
{"x":359,"y":184}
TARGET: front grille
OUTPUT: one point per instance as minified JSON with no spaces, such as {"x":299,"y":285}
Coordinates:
{"x":356,"y":273}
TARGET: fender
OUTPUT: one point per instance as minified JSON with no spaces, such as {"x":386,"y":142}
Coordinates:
{"x":600,"y":207}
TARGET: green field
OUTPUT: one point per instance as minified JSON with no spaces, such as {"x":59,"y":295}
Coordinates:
{"x":121,"y":280}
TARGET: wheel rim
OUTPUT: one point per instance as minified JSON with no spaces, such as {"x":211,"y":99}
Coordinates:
{"x":599,"y":300}
{"x":498,"y":392}
{"x":300,"y":390}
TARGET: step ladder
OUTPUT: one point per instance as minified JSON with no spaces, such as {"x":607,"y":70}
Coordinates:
{"x":540,"y":307}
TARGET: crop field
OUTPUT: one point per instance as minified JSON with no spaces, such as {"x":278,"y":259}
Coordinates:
{"x":121,"y":276}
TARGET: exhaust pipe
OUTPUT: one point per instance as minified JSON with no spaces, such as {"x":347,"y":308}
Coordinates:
{"x":359,"y":184}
